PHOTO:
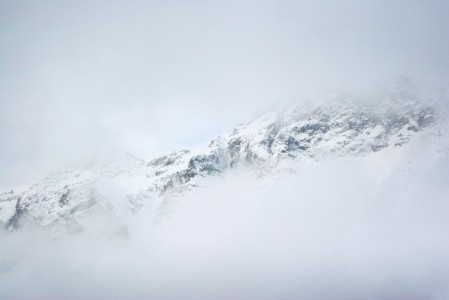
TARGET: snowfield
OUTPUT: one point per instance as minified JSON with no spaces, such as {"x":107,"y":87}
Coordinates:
{"x":246,"y":223}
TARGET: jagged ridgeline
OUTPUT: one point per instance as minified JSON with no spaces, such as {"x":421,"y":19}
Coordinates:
{"x":121,"y":186}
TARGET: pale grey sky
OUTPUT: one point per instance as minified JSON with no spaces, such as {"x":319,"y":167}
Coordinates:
{"x":149,"y":77}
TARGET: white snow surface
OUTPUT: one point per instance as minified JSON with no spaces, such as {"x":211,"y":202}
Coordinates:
{"x":311,"y":202}
{"x":122,"y":184}
{"x":370,"y":227}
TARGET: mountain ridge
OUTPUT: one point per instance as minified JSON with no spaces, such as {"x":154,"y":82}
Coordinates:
{"x":306,"y":131}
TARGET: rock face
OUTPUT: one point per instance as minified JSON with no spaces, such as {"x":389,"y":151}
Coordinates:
{"x":122,"y":185}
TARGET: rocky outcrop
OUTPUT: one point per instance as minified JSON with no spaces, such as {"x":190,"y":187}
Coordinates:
{"x":308,"y":131}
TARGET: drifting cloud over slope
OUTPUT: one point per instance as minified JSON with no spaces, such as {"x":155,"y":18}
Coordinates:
{"x":352,"y":228}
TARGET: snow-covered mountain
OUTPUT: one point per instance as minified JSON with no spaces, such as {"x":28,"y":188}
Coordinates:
{"x":120,"y":186}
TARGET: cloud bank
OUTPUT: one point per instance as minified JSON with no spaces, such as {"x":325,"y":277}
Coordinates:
{"x":372,"y":227}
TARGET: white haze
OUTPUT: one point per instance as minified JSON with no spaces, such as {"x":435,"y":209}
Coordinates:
{"x":149,"y":77}
{"x":372,"y":227}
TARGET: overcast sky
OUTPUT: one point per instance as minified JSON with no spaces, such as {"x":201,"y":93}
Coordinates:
{"x":149,"y":77}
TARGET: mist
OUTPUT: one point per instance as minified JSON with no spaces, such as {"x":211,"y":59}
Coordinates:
{"x":90,"y":80}
{"x":353,"y":228}
{"x":78,"y":77}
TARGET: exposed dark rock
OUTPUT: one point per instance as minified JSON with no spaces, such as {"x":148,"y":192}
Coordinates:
{"x":157,"y":161}
{"x":15,"y":221}
{"x":316,"y":133}
{"x":64,"y":198}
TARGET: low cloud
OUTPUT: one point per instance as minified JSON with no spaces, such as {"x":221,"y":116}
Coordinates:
{"x":372,"y":227}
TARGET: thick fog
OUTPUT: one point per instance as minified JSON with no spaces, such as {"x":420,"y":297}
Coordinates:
{"x":88,"y":78}
{"x":371,"y":227}
{"x":149,"y":77}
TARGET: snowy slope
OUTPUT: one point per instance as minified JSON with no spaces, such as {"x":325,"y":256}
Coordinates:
{"x":120,"y":186}
{"x":372,"y":226}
